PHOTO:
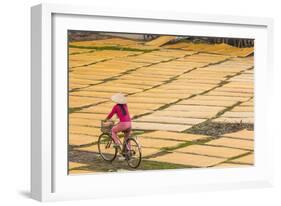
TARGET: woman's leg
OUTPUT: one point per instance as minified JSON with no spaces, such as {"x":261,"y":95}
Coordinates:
{"x":117,"y":128}
{"x":127,"y":133}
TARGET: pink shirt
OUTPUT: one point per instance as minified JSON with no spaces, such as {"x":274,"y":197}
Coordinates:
{"x":117,"y":110}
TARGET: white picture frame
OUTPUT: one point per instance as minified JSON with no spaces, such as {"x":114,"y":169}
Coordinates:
{"x":49,"y":181}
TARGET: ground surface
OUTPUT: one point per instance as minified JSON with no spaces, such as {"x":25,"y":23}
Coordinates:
{"x":192,"y":104}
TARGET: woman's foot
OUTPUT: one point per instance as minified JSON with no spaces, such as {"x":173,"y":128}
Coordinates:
{"x":118,"y":146}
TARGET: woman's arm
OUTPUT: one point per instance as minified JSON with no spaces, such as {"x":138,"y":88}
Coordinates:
{"x":113,"y":111}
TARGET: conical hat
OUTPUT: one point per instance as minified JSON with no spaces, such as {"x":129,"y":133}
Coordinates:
{"x":119,"y":98}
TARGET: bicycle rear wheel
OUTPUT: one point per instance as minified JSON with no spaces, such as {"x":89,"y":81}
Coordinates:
{"x":106,"y":149}
{"x":133,"y":153}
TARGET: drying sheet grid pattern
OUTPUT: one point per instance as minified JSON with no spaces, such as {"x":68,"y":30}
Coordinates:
{"x":172,"y":89}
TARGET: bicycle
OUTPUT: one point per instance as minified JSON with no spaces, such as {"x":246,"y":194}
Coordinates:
{"x":130,"y":149}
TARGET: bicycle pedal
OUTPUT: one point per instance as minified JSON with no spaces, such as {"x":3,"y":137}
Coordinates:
{"x":127,"y":158}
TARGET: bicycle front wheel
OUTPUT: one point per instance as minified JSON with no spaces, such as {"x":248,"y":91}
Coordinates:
{"x":133,"y":154}
{"x":106,"y":149}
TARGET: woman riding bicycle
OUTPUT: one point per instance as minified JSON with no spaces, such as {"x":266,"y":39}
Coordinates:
{"x":122,"y":112}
